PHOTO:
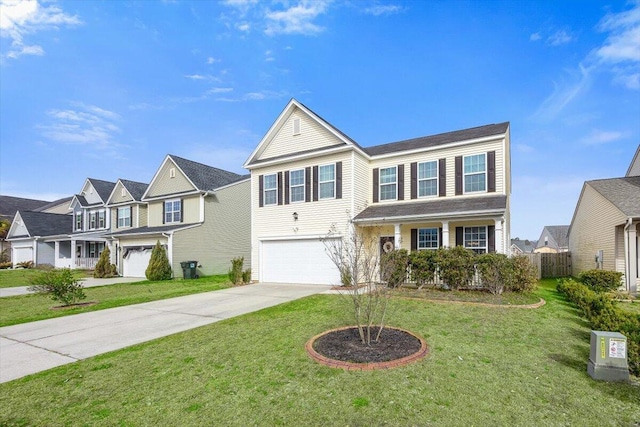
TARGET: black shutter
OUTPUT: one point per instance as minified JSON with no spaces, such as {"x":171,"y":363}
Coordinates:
{"x":315,"y":183}
{"x":442,"y":177}
{"x":117,"y":210}
{"x":458,"y":175}
{"x":414,"y":180}
{"x":459,"y":236}
{"x":181,"y":210}
{"x":164,"y":206}
{"x":130,"y":216}
{"x":376,"y":183}
{"x":491,"y":167}
{"x":307,"y":184}
{"x":440,"y":237}
{"x":279,"y":188}
{"x":261,"y":191}
{"x":339,"y":180}
{"x":400,"y":178}
{"x":491,"y":238}
{"x":414,"y":239}
{"x":286,"y":187}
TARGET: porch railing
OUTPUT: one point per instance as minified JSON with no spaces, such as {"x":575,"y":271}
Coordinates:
{"x":86,"y":263}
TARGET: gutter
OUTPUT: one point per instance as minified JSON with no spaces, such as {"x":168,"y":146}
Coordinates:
{"x":421,"y":217}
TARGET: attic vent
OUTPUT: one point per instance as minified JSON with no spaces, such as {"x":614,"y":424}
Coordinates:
{"x":123,"y":192}
{"x":296,"y":126}
{"x":172,"y":173}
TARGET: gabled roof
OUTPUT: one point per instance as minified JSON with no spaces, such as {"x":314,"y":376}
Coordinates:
{"x":526,"y":245}
{"x":103,"y":188}
{"x":434,"y":208}
{"x":203,"y":177}
{"x":64,"y":200}
{"x":623,"y":193}
{"x":634,"y":167}
{"x":9,"y":205}
{"x":81,"y":200}
{"x":45,"y":224}
{"x":135,"y":189}
{"x":559,"y":233}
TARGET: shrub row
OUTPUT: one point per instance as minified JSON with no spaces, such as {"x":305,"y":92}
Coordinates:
{"x":601,"y":280}
{"x":603,"y":315}
{"x":456,"y":267}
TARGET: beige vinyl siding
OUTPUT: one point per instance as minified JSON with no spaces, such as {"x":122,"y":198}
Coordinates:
{"x":593,"y":228}
{"x":619,"y":249}
{"x":62,"y":208}
{"x":141,"y":215}
{"x":449,"y":154}
{"x":138,"y":217}
{"x":164,"y":185}
{"x":312,"y":136}
{"x":90,"y":194}
{"x":225,"y":234}
{"x":634,"y":169}
{"x":117,"y":197}
{"x":191,"y":210}
{"x":362,"y":176}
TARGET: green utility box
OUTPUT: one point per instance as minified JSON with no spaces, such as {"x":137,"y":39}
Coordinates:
{"x":189,"y":269}
{"x":608,"y":356}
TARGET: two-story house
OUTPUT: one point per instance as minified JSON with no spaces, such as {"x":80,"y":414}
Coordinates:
{"x":436,"y":191}
{"x":197,"y":212}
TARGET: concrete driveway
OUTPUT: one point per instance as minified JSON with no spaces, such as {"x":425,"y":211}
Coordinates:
{"x":37,"y":346}
{"x":87,"y":282}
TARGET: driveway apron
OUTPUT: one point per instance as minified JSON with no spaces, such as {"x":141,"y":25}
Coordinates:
{"x":37,"y":346}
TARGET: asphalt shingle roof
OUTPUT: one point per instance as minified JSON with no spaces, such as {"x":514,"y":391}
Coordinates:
{"x":136,"y":189}
{"x":46,"y":224}
{"x":559,"y":233}
{"x":206,"y":177}
{"x":9,"y":205}
{"x":623,"y":193}
{"x":54,"y":203}
{"x":103,"y":188}
{"x":434,"y":207}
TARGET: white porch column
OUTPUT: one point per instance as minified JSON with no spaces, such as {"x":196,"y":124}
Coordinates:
{"x":397,"y":236}
{"x":499,"y":239}
{"x":633,"y":259}
{"x":445,"y":234}
{"x":56,"y":253}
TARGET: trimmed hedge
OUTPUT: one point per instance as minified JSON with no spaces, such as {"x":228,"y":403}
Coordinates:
{"x":601,"y":280}
{"x":603,"y":315}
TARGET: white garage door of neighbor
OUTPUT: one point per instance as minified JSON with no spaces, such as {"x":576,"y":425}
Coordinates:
{"x":136,"y":262}
{"x":22,"y":255}
{"x":298,"y":261}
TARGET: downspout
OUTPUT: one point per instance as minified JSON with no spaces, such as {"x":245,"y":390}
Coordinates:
{"x":169,"y":237}
{"x":35,"y":250}
{"x":627,"y":255}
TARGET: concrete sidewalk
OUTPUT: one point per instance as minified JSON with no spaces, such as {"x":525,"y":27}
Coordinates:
{"x":87,"y":282}
{"x":37,"y":346}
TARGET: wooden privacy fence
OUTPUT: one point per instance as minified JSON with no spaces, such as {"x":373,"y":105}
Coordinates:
{"x":551,"y":264}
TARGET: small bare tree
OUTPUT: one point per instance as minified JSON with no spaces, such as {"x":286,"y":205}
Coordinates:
{"x":356,"y":255}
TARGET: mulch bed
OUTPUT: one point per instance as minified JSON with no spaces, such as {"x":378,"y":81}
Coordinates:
{"x":76,"y":305}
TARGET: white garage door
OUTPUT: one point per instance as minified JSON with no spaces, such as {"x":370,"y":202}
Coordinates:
{"x":22,"y":255}
{"x":298,"y":261}
{"x":136,"y":262}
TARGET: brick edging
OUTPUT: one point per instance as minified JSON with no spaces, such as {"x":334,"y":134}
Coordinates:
{"x":352,"y":366}
{"x":480,"y":304}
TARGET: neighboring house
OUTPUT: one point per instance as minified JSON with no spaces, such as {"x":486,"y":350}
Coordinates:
{"x":9,"y":205}
{"x":436,"y":191}
{"x":553,"y":239}
{"x":197,"y":212}
{"x":33,"y":236}
{"x":519,"y":247}
{"x":60,"y":206}
{"x":606,"y":224}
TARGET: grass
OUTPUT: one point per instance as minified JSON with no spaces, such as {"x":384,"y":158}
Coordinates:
{"x":29,"y":308}
{"x":507,"y":298}
{"x":22,"y":277}
{"x":487,"y":366}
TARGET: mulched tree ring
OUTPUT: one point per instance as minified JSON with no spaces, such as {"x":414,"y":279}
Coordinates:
{"x":342,"y":348}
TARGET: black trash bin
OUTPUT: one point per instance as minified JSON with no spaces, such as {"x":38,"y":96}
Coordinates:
{"x":189,"y":269}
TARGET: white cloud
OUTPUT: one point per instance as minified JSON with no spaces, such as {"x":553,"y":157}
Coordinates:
{"x":86,"y":125}
{"x":599,"y":137}
{"x":219,"y":90}
{"x":203,"y":77}
{"x":20,"y":18}
{"x":297,"y":19}
{"x":559,"y":37}
{"x":564,"y":93}
{"x":379,"y":10}
{"x":535,"y":37}
{"x":212,"y":60}
{"x":243,"y":26}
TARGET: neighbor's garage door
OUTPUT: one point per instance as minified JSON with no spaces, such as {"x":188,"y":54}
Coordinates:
{"x":22,"y":255}
{"x":297,"y":261}
{"x":136,"y":262}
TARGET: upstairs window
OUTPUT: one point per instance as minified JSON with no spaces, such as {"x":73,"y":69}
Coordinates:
{"x":172,"y":211}
{"x":327,"y":181}
{"x":270,"y":189}
{"x":388,"y":183}
{"x":428,"y":179}
{"x":475,"y":173}
{"x":124,"y":217}
{"x":101,"y":219}
{"x":78,"y":221}
{"x":428,"y":238}
{"x":296,"y":185}
{"x":92,"y":220}
{"x":475,"y":238}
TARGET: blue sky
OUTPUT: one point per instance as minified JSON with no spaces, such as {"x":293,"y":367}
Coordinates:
{"x":106,"y":89}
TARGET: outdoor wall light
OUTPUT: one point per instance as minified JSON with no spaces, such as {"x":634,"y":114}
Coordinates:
{"x":295,"y":216}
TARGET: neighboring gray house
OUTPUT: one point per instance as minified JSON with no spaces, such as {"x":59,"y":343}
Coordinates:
{"x":33,"y":234}
{"x":553,"y":239}
{"x":525,"y":246}
{"x":9,"y":205}
{"x":606,"y":224}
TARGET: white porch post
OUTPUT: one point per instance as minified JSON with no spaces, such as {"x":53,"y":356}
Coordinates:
{"x":498,"y":237}
{"x":74,"y":255}
{"x":445,"y":234}
{"x":633,"y":259}
{"x":397,"y":236}
{"x":56,"y":253}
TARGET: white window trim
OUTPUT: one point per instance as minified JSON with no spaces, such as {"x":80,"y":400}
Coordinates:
{"x":486,"y":238}
{"x":297,"y":126}
{"x":303,"y":185}
{"x":265,"y":189}
{"x":125,"y":210}
{"x":123,"y":192}
{"x":78,"y":226}
{"x":326,"y":182}
{"x":464,"y":175}
{"x":437,"y":238}
{"x":104,"y":219}
{"x":380,"y":184}
{"x":172,"y":172}
{"x":437,"y":178}
{"x":173,"y":221}
{"x":93,"y":220}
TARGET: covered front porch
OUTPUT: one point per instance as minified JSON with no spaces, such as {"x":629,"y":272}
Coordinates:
{"x":78,"y":251}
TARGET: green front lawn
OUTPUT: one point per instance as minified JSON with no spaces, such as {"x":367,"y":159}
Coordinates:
{"x":488,"y":366}
{"x":29,"y":308}
{"x":22,"y":277}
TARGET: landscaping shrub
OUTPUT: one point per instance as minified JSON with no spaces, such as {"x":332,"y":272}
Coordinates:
{"x":60,"y":285}
{"x":601,"y":280}
{"x":456,"y":266}
{"x":4,"y":265}
{"x":603,"y":315}
{"x":495,"y":271}
{"x":25,"y":264}
{"x":423,"y":266}
{"x":246,"y":276}
{"x":103,"y":267}
{"x":235,"y":272}
{"x":4,"y":257}
{"x":159,"y":267}
{"x":523,"y":275}
{"x":393,"y":267}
